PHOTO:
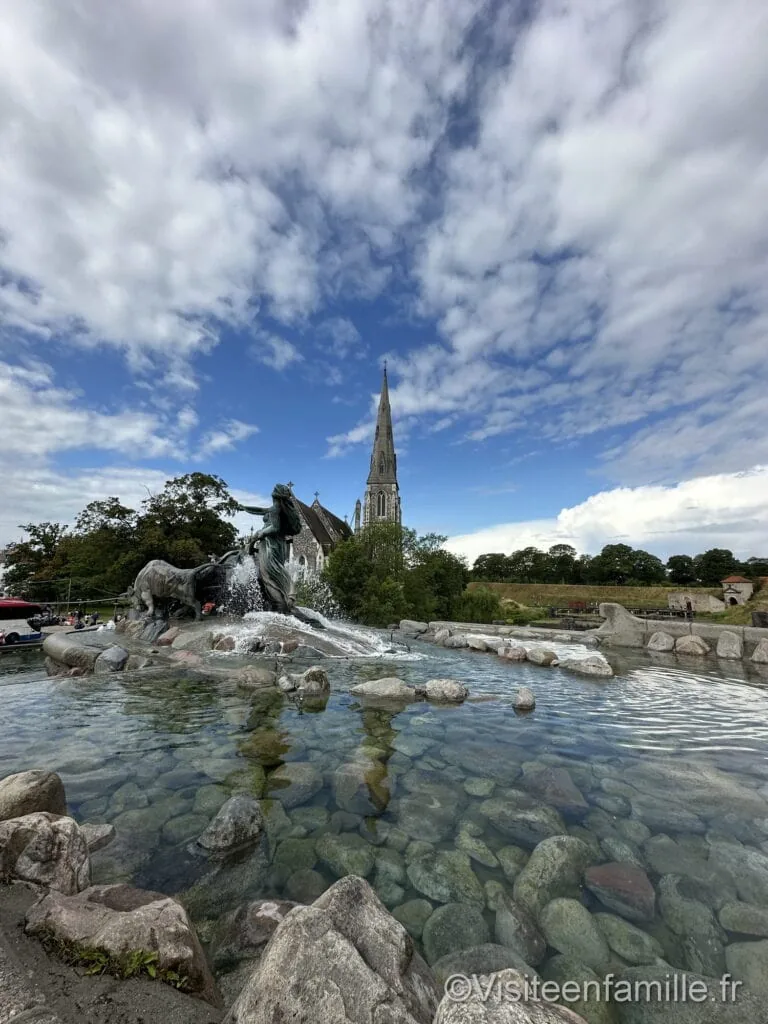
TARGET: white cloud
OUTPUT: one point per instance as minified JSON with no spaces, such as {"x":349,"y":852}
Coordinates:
{"x":230,"y":434}
{"x":171,"y":168}
{"x":587,"y":232}
{"x":342,"y":338}
{"x":274,"y":351}
{"x":724,"y":511}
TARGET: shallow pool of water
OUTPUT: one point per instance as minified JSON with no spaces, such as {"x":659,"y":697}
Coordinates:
{"x":432,"y":803}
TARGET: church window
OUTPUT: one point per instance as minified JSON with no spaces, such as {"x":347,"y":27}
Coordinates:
{"x":382,"y":462}
{"x":302,"y":561}
{"x":381,"y":504}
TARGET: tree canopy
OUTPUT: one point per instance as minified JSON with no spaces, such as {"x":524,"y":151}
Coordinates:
{"x":388,"y":573}
{"x":101,"y":555}
{"x":616,"y":564}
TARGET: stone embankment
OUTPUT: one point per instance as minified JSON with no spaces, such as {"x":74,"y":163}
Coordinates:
{"x":620,"y":629}
{"x":508,"y":643}
{"x":681,"y":636}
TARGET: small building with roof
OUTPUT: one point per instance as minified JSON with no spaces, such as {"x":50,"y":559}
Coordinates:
{"x":737,"y":589}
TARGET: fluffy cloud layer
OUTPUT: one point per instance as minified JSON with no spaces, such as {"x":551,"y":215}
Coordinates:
{"x":573,"y":194}
{"x":724,"y":511}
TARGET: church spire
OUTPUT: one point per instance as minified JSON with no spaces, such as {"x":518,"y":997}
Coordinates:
{"x":383,"y":458}
{"x":382,"y":494}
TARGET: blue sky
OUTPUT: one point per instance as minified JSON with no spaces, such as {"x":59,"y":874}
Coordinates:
{"x":217,"y":220}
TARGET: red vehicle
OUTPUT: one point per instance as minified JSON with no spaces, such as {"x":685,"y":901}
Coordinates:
{"x":15,"y":627}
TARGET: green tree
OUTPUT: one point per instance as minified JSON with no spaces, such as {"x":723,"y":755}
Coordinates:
{"x":681,"y":570}
{"x":647,"y":569}
{"x":185,"y":523}
{"x":614,"y":565}
{"x":491,"y":568}
{"x":714,"y":565}
{"x":562,"y":563}
{"x":30,"y":564}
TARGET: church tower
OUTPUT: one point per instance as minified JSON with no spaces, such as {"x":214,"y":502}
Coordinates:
{"x":382,"y":494}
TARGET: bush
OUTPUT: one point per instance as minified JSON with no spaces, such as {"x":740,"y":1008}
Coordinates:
{"x":480,"y":605}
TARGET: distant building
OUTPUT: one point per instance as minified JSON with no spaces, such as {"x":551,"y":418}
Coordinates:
{"x":679,"y":601}
{"x":737,"y":589}
{"x":321,"y":532}
{"x":381,"y":503}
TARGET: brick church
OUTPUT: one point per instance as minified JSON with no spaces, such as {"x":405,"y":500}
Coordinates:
{"x":322,"y":530}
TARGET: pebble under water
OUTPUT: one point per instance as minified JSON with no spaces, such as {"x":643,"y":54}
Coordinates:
{"x":662,"y":768}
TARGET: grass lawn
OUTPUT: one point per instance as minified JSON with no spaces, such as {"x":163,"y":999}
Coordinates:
{"x":557,"y":595}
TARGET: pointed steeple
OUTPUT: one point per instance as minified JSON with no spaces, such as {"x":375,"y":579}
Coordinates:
{"x":382,"y":493}
{"x":383,"y":458}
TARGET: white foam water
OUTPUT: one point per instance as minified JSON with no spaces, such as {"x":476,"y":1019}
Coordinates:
{"x":336,"y":638}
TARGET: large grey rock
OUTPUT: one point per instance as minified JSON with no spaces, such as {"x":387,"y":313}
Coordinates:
{"x":413,"y":627}
{"x":97,"y":836}
{"x":555,"y":868}
{"x":661,"y":641}
{"x":515,"y":652}
{"x":730,"y":646}
{"x":27,"y":792}
{"x":760,"y":653}
{"x":748,"y":962}
{"x":745,"y":869}
{"x":413,"y":915}
{"x":692,"y":645}
{"x":591,"y":1006}
{"x":475,"y":848}
{"x":343,"y":960}
{"x":427,"y":815}
{"x":119,"y":919}
{"x":445,"y":876}
{"x":665,"y":856}
{"x":631,"y":943}
{"x":445,"y":691}
{"x":701,"y":939}
{"x":541,"y":656}
{"x":363,"y":787}
{"x":516,"y":927}
{"x":236,"y":824}
{"x":45,"y":849}
{"x":346,"y":854}
{"x":305,"y":886}
{"x":255,"y":677}
{"x":656,"y":1008}
{"x":114,"y":659}
{"x":294,"y":783}
{"x":243,"y":933}
{"x":389,"y":688}
{"x":524,"y":699}
{"x":698,"y":787}
{"x":195,"y":641}
{"x":451,"y":927}
{"x":490,"y":1003}
{"x":478,"y":960}
{"x":624,"y":888}
{"x":518,"y":816}
{"x":456,"y":642}
{"x":744,"y":919}
{"x":554,"y":786}
{"x":570,"y":929}
{"x":476,"y":643}
{"x":314,"y":681}
{"x":593,"y":665}
{"x":512,"y":859}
